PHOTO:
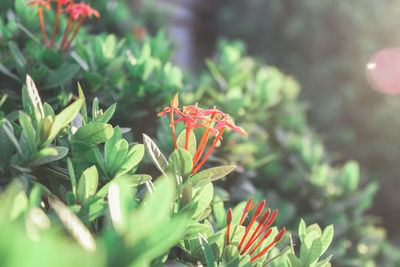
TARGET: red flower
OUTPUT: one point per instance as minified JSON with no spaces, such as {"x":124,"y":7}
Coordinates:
{"x":227,"y":122}
{"x":213,"y":121}
{"x":264,"y":223}
{"x":40,"y":3}
{"x":75,"y":11}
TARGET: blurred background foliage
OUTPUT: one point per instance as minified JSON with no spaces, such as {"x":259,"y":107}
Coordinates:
{"x":324,"y":46}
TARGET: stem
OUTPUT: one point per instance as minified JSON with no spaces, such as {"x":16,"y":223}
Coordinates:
{"x":171,"y":113}
{"x":267,"y":234}
{"x":42,"y":26}
{"x":56,"y":23}
{"x":66,"y":32}
{"x":75,"y":32}
{"x":187,"y":139}
{"x":203,"y":142}
{"x":255,"y":216}
{"x":228,"y":227}
{"x":201,"y":147}
{"x":263,"y":251}
{"x":252,"y":239}
{"x":209,"y":151}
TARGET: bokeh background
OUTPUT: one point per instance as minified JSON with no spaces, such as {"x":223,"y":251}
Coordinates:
{"x":325,"y":46}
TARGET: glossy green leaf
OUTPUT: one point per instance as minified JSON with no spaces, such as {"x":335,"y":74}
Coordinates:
{"x":94,"y":133}
{"x":17,"y":55}
{"x":64,"y":118}
{"x":49,"y":154}
{"x":180,"y":162}
{"x":134,"y":156}
{"x":212,"y":174}
{"x":107,"y":114}
{"x":87,"y":184}
{"x":155,"y":154}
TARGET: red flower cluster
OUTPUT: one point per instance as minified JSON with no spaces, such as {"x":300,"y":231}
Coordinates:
{"x":212,"y":120}
{"x":264,"y":223}
{"x":75,"y":11}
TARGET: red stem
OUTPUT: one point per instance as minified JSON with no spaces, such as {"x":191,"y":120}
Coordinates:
{"x":56,"y":23}
{"x":187,"y":139}
{"x":75,"y":32}
{"x":42,"y":26}
{"x":200,"y":148}
{"x":228,"y":227}
{"x":203,"y":142}
{"x":266,"y":235}
{"x":252,"y":239}
{"x":173,"y":126}
{"x":209,"y":151}
{"x":255,"y":216}
{"x":67,"y":31}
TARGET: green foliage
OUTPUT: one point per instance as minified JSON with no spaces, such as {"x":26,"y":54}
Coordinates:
{"x":282,"y":154}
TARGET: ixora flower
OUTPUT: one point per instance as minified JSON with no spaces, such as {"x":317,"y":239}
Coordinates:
{"x":262,"y":230}
{"x":213,"y":121}
{"x":75,"y":11}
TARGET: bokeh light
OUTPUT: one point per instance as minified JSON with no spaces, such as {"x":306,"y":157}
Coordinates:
{"x":383,"y":71}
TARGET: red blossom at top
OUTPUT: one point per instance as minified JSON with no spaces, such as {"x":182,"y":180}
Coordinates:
{"x":213,"y":121}
{"x":40,"y":3}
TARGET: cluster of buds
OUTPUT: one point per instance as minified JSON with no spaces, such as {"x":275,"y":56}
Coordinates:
{"x":77,"y":14}
{"x":262,"y":230}
{"x":212,"y":120}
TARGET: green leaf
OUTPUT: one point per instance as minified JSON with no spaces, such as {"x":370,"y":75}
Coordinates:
{"x":71,"y":172}
{"x":94,"y":80}
{"x":350,"y":176}
{"x":17,"y":55}
{"x":326,"y":238}
{"x":193,"y":230}
{"x":181,"y":163}
{"x":132,"y":180}
{"x":9,"y":131}
{"x":49,"y":154}
{"x":119,"y":153}
{"x":302,"y":230}
{"x":208,"y":254}
{"x":314,"y":252}
{"x":73,"y":224}
{"x":212,"y":174}
{"x":325,"y":262}
{"x":27,"y":127}
{"x":134,"y":156}
{"x":155,"y":154}
{"x":94,"y":133}
{"x":202,"y":196}
{"x":52,"y":58}
{"x":64,"y":118}
{"x":107,"y":114}
{"x":191,"y":142}
{"x":31,"y":100}
{"x":294,"y":261}
{"x":62,"y":75}
{"x":20,"y":204}
{"x":7,"y":72}
{"x":87,"y":184}
{"x":6,"y":145}
{"x":48,"y":111}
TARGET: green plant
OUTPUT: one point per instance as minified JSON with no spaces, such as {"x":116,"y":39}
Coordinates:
{"x":77,"y":171}
{"x":264,"y":101}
